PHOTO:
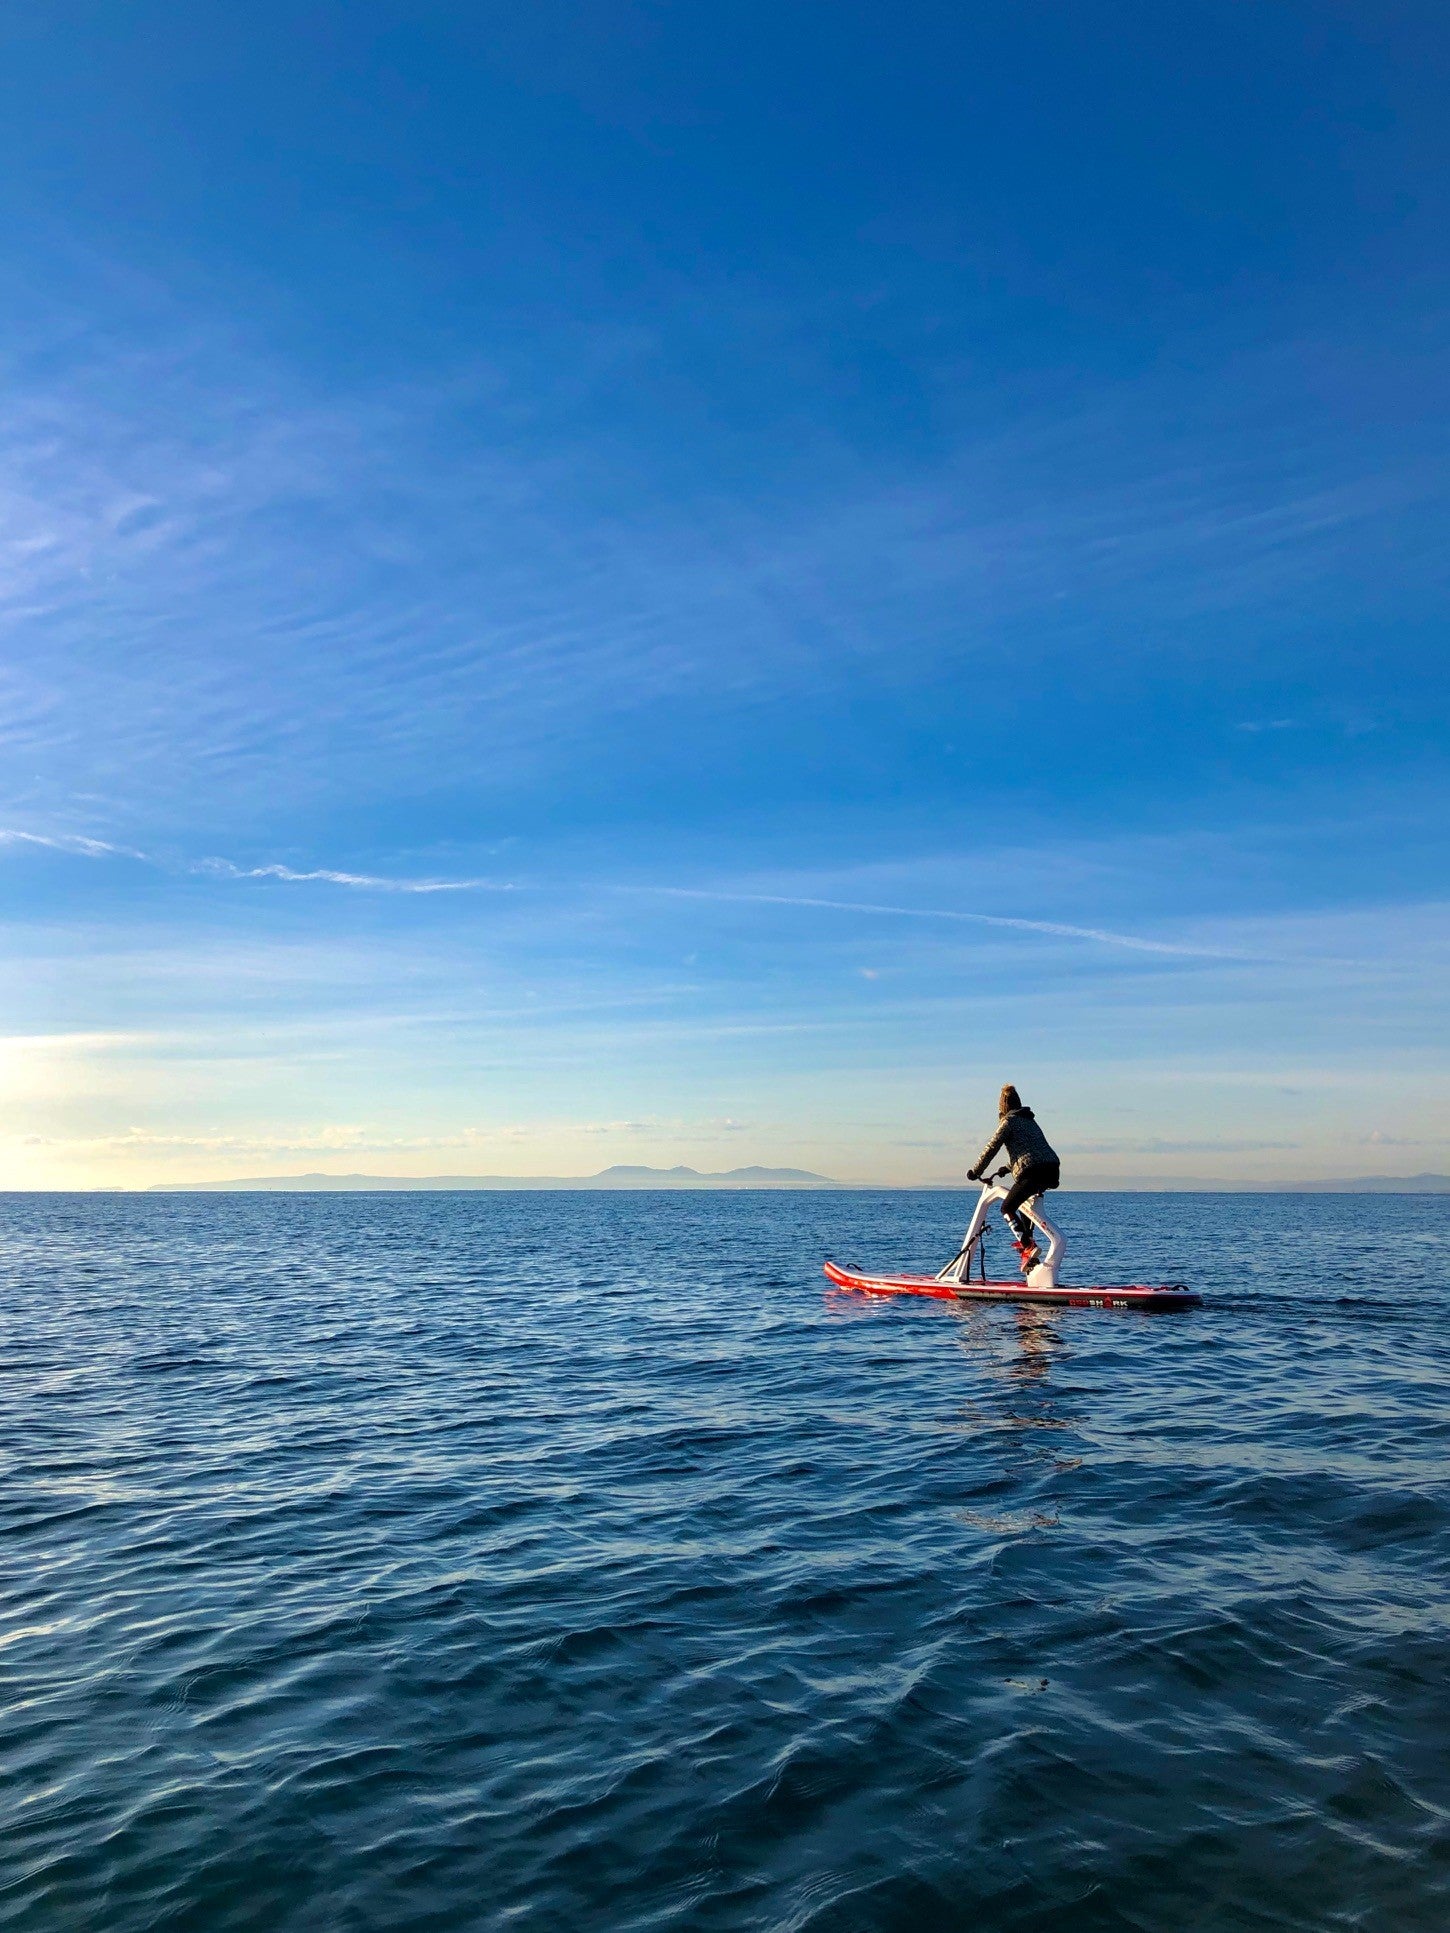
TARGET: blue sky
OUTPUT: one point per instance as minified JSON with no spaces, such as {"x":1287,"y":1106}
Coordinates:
{"x":651,"y":583}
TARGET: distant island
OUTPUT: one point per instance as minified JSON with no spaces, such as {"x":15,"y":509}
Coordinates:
{"x":616,"y":1177}
{"x":639,"y":1177}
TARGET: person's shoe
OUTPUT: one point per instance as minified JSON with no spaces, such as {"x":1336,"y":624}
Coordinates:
{"x":1031,"y":1255}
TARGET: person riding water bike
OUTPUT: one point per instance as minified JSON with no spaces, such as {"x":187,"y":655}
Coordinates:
{"x":1035,"y":1168}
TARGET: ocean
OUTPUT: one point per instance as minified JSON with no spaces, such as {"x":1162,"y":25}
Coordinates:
{"x":584,"y":1561}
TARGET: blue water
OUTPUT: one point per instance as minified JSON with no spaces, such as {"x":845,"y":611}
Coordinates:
{"x":583,"y":1561}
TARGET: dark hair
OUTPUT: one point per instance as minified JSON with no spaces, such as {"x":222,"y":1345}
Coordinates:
{"x":1007,"y":1100}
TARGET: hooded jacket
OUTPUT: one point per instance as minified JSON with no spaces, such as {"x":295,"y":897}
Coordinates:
{"x":1025,"y":1144}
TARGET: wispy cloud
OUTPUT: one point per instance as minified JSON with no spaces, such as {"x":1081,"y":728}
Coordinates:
{"x":344,"y":1138}
{"x":228,"y":869}
{"x":68,"y":842}
{"x":1180,"y":1147}
{"x":478,"y":610}
{"x":1057,"y":929}
{"x":368,"y":882}
{"x":80,"y":1041}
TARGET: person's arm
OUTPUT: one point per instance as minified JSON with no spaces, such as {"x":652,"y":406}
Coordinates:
{"x":978,"y":1167}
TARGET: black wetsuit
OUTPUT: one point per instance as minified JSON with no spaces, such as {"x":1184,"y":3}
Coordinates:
{"x":1035,"y":1166}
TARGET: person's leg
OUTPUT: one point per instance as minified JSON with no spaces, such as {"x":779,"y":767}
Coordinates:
{"x":1023,"y":1189}
{"x":1045,"y":1175}
{"x":1033,"y":1180}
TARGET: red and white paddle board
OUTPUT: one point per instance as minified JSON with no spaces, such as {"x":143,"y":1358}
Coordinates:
{"x":1155,"y":1297}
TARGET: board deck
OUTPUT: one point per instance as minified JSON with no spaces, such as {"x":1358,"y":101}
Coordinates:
{"x":1153,"y":1297}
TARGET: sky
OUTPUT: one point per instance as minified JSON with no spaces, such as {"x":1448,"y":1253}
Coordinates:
{"x":667,"y":583}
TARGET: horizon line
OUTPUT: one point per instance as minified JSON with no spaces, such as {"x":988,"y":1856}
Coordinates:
{"x":752,"y":1177}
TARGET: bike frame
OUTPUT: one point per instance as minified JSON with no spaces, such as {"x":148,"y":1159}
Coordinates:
{"x":1043,"y":1275}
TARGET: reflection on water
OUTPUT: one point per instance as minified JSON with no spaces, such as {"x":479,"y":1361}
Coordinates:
{"x":1007,"y":1340}
{"x":1037,"y":1342}
{"x":1014,"y":1347}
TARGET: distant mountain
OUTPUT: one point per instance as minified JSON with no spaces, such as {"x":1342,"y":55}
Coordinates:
{"x":616,"y":1177}
{"x":624,"y":1176}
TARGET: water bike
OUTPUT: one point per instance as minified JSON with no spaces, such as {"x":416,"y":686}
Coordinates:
{"x":1042,"y":1283}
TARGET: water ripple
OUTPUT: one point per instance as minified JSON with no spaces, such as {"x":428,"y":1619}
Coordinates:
{"x":577,"y":1561}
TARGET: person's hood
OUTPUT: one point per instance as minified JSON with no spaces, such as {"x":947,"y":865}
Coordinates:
{"x":1016,"y":1111}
